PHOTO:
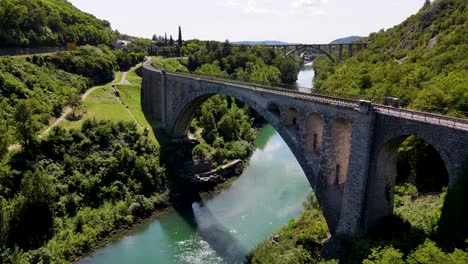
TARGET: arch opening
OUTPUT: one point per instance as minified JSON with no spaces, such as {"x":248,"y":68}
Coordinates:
{"x":341,"y":149}
{"x":292,"y":119}
{"x":315,"y":142}
{"x":408,"y":171}
{"x":313,"y":134}
{"x":282,"y":121}
{"x":274,"y":109}
{"x":337,"y":174}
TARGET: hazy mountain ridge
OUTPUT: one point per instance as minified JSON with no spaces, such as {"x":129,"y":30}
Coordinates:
{"x":346,"y":40}
{"x":265,"y":42}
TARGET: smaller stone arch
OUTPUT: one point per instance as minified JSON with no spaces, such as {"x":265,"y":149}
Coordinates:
{"x":292,"y":119}
{"x":273,"y":108}
{"x":382,"y":183}
{"x":314,"y":133}
{"x":341,"y":133}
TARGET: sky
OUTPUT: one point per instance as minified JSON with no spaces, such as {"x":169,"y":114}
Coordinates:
{"x":297,"y":21}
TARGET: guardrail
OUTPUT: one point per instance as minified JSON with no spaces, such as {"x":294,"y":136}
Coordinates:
{"x":335,"y":98}
{"x":423,"y":116}
{"x":310,"y":95}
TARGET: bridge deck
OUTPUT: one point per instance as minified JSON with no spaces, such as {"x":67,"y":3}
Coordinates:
{"x":308,"y":94}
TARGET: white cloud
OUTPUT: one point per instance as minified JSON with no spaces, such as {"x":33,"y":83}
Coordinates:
{"x":231,"y":3}
{"x":309,"y":7}
{"x":309,"y":3}
{"x":253,"y":8}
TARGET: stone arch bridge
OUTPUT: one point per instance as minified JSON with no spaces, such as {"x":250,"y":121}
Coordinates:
{"x":325,"y":49}
{"x":347,"y":148}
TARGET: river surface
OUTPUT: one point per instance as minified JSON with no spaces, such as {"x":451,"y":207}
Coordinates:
{"x":226,"y":228}
{"x":306,"y":76}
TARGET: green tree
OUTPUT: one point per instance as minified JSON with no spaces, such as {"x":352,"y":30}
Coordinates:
{"x":171,"y":41}
{"x":4,"y":135}
{"x":4,"y":219}
{"x":289,"y":67}
{"x":387,"y":255}
{"x":179,"y":39}
{"x":32,"y":220}
{"x":74,"y":100}
{"x":25,"y":124}
{"x":208,"y":122}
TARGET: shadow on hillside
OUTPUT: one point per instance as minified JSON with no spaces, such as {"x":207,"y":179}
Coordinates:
{"x":158,"y":131}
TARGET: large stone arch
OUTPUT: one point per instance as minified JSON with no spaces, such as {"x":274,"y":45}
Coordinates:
{"x":311,"y":47}
{"x":178,"y":128}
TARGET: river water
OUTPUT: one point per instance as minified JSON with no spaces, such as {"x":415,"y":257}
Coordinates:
{"x":306,"y":76}
{"x":226,"y":228}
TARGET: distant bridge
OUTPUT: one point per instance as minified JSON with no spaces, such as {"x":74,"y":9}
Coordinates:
{"x":347,"y":148}
{"x":325,"y":49}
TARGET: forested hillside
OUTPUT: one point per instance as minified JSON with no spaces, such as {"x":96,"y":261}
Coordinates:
{"x":423,"y":61}
{"x":34,"y":23}
{"x":60,"y":195}
{"x":254,"y":64}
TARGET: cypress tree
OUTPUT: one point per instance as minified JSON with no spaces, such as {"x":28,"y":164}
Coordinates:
{"x":179,"y":40}
{"x":171,"y":41}
{"x":165,"y":38}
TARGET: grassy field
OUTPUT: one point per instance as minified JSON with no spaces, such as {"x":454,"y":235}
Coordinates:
{"x":103,"y":104}
{"x":131,"y":95}
{"x":170,"y":64}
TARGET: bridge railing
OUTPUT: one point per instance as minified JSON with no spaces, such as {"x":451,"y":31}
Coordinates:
{"x":301,"y":92}
{"x":347,"y":100}
{"x":274,"y":85}
{"x":423,"y":116}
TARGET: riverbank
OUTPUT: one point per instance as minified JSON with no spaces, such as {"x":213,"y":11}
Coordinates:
{"x":141,"y":222}
{"x":241,"y":211}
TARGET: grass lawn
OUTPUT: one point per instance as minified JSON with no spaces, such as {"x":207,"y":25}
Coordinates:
{"x":170,"y":64}
{"x":130,"y":95}
{"x":102,"y":104}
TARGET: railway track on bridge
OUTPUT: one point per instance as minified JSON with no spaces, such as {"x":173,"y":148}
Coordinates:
{"x":310,"y":95}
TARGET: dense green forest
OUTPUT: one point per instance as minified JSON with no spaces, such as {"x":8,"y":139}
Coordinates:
{"x":423,"y":61}
{"x":254,"y":64}
{"x":58,"y":196}
{"x":223,"y":129}
{"x":36,"y":23}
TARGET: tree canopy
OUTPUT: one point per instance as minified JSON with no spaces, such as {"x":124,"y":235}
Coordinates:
{"x":423,"y":61}
{"x":35,"y":23}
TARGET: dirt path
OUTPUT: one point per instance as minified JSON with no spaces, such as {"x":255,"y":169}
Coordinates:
{"x":66,"y":111}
